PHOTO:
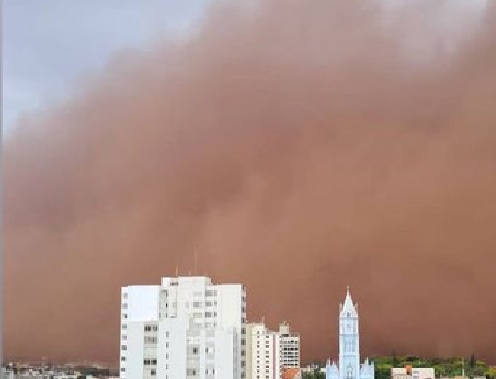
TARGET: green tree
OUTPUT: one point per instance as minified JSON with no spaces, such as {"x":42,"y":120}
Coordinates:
{"x":471,"y":362}
{"x":395,"y":359}
{"x":316,"y":374}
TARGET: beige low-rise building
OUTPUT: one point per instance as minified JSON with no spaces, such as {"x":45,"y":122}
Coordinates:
{"x":409,"y":372}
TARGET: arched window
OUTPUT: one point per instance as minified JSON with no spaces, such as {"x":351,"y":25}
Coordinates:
{"x":349,"y":372}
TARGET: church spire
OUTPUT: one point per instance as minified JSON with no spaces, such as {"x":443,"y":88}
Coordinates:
{"x":348,"y":308}
{"x":348,"y":366}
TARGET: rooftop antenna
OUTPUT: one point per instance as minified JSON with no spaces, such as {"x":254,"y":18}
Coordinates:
{"x":177,"y":272}
{"x":463,"y":367}
{"x":197,"y":263}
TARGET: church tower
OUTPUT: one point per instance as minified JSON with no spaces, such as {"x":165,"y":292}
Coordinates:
{"x":348,"y":366}
{"x":349,"y":340}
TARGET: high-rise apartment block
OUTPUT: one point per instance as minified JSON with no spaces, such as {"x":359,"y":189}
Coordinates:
{"x":262,"y":355}
{"x":270,"y":353}
{"x":289,"y":346}
{"x":185,"y":328}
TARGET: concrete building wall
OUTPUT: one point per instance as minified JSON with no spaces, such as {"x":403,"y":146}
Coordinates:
{"x":423,"y":373}
{"x":231,"y":315}
{"x":134,"y":351}
{"x":270,"y":353}
{"x":138,"y":306}
{"x":189,"y":328}
{"x":398,"y":371}
{"x":264,"y":363}
{"x":224,"y":346}
{"x":171,"y":348}
{"x":289,"y":347}
{"x":413,"y":373}
{"x":249,"y":350}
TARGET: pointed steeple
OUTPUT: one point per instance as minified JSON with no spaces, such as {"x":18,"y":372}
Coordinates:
{"x":348,"y":309}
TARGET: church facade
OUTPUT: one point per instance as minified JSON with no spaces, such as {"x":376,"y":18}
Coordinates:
{"x":348,"y":365}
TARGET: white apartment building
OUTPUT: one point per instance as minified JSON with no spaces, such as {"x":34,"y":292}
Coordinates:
{"x":269,"y":353}
{"x":412,"y":373}
{"x":289,"y":346}
{"x":262,"y":355}
{"x":185,"y":328}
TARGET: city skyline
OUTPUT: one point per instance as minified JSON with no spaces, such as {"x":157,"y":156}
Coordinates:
{"x":306,"y":149}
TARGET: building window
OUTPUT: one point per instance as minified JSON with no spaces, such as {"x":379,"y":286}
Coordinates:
{"x":349,"y":372}
{"x":150,"y":340}
{"x":153,"y":372}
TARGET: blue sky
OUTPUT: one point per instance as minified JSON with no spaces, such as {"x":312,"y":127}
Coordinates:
{"x":48,"y":45}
